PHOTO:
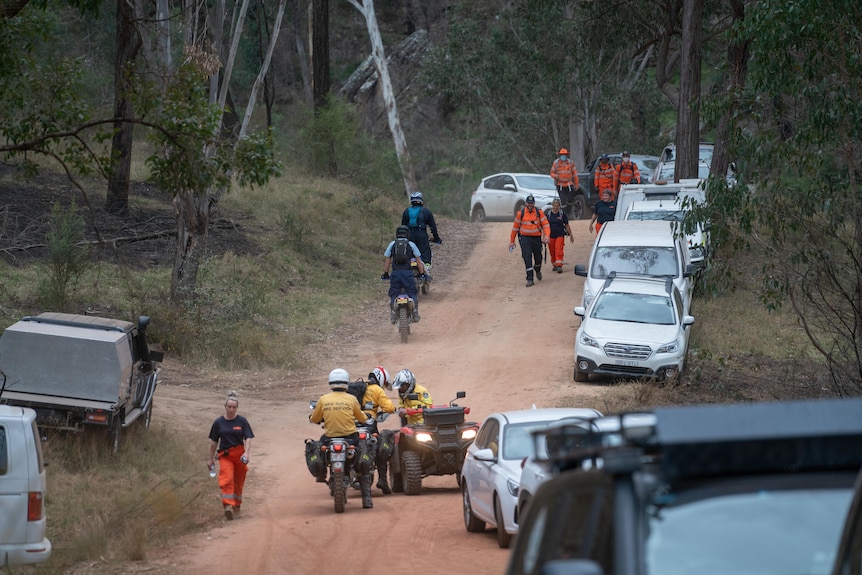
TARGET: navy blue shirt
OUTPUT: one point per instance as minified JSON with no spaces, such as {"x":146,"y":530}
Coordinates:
{"x":558,"y":223}
{"x":605,"y":211}
{"x":230,"y":432}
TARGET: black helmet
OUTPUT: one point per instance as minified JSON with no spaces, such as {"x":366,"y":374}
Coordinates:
{"x":530,"y":199}
{"x":402,"y":232}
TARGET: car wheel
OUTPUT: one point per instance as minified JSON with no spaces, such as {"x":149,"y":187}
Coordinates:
{"x":580,"y":376}
{"x":471,"y":522}
{"x":503,"y":538}
{"x":578,"y":207}
{"x":478,"y":214}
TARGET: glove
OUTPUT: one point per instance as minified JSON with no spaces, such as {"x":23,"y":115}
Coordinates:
{"x":438,"y":241}
{"x":385,"y":276}
{"x":369,"y":422}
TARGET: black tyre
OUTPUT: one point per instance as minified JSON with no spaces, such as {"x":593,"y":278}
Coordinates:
{"x":503,"y":538}
{"x":411,"y":470}
{"x":478,"y":214}
{"x":578,"y":208}
{"x":403,"y":323}
{"x":424,"y":288}
{"x":471,"y":522}
{"x":339,"y":491}
{"x":395,"y":481}
{"x":115,"y":433}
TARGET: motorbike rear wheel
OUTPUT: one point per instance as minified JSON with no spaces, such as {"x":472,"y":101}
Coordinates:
{"x":339,"y":491}
{"x":404,"y":320}
{"x":411,"y":471}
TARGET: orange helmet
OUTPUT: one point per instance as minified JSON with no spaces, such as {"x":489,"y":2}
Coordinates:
{"x":564,"y":151}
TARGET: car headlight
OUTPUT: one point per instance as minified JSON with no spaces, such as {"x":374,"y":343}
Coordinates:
{"x":424,"y":437}
{"x":512,"y":486}
{"x":468,"y":434}
{"x":588,"y":340}
{"x":671,"y":347}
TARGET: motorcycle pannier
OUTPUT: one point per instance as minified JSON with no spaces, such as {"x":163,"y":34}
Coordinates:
{"x":314,"y":459}
{"x":436,"y":416}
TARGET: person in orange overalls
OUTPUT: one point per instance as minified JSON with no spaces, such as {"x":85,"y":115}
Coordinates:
{"x":532,"y":230}
{"x":559,"y":223}
{"x":565,"y":177}
{"x":625,"y":173}
{"x":604,"y":176}
{"x":230,"y":436}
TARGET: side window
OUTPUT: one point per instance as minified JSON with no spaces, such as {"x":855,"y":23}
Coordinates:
{"x":677,"y":300}
{"x":4,"y":452}
{"x":488,"y":434}
{"x":507,"y":180}
{"x":494,"y":183}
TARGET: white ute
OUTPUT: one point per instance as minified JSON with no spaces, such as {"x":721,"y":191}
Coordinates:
{"x":22,"y":489}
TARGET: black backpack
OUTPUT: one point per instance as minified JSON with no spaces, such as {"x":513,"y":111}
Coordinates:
{"x":401,"y":251}
{"x":357,"y":389}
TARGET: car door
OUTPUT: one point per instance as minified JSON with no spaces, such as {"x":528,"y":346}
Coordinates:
{"x":479,"y":474}
{"x":508,"y":197}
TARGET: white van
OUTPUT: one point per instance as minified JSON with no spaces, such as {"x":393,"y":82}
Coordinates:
{"x":638,"y":248}
{"x":22,"y":489}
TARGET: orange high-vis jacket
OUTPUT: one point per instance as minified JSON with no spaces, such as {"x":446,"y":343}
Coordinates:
{"x":604,"y":178}
{"x":624,"y":174}
{"x":530,"y":223}
{"x":564,"y":173}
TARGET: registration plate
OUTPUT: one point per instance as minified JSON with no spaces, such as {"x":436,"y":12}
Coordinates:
{"x":627,"y":363}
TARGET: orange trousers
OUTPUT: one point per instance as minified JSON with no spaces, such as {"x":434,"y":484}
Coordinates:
{"x":231,"y":476}
{"x":556,"y":247}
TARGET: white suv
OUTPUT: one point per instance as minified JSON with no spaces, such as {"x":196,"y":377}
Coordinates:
{"x":635,"y":327}
{"x":643,"y":248}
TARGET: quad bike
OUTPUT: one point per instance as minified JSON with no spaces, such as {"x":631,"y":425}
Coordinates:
{"x":436,"y":447}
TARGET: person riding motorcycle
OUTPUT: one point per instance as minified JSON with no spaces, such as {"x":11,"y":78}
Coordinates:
{"x":401,"y":280}
{"x":375,"y":402}
{"x":405,"y":383}
{"x":339,"y":411}
{"x":418,"y":219}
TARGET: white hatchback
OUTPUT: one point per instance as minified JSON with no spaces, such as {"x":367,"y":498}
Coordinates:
{"x":635,"y":327}
{"x":501,"y":196}
{"x":492,"y":468}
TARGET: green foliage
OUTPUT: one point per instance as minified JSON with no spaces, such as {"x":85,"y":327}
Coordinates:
{"x":799,"y":132}
{"x":68,"y":258}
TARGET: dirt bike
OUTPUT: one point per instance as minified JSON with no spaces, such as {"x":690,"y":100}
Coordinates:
{"x":340,"y":457}
{"x":435,"y":447}
{"x":404,"y":305}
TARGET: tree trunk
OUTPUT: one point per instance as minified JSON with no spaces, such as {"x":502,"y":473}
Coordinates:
{"x":193,"y":216}
{"x":127,"y":44}
{"x":366,"y":7}
{"x":320,"y":53}
{"x":737,"y":64}
{"x":688,"y":114}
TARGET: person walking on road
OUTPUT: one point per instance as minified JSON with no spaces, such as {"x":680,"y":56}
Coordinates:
{"x":230,"y":442}
{"x":418,"y":219}
{"x":565,"y":177}
{"x":605,"y":211}
{"x":603,"y":179}
{"x":532,"y":230}
{"x":559,"y":225}
{"x":626,"y":173}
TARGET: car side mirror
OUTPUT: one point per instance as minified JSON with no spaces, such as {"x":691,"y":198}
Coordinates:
{"x":687,"y":320}
{"x":580,"y":311}
{"x":486,"y":454}
{"x":580,"y":270}
{"x":510,"y":187}
{"x":689,"y":271}
{"x":460,"y":394}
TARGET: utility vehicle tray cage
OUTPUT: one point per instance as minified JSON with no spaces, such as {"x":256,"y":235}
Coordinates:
{"x":436,"y":416}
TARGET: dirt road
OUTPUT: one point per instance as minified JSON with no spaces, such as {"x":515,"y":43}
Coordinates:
{"x":482,"y":331}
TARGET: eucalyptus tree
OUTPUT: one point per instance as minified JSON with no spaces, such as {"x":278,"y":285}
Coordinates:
{"x":797,"y":130}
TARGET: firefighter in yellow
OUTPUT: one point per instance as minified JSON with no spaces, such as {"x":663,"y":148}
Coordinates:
{"x":375,"y":401}
{"x":339,"y":411}
{"x":405,"y":383}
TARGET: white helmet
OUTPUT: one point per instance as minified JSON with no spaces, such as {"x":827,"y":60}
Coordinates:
{"x":380,"y":376}
{"x":417,"y":199}
{"x":404,"y":382}
{"x":339,"y":379}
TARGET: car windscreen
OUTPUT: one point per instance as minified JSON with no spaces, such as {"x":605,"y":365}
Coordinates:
{"x":517,"y":441}
{"x":536,"y":182}
{"x":785,"y":525}
{"x":645,"y":261}
{"x":634,"y":307}
{"x":657,"y":215}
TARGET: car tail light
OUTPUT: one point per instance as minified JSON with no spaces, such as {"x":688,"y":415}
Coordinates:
{"x":35,"y":509}
{"x":97,"y":416}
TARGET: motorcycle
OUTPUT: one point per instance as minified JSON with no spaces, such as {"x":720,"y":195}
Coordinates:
{"x":422,"y":280}
{"x":338,"y":457}
{"x":404,"y":305}
{"x":436,"y":447}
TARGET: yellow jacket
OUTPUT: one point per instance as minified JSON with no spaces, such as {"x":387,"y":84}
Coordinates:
{"x":423,"y":401}
{"x":339,"y":411}
{"x":375,"y":401}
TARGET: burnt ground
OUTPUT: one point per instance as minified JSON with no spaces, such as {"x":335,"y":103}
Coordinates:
{"x":145,"y":237}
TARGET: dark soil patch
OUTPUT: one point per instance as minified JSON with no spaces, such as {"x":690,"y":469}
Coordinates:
{"x":144,"y":238}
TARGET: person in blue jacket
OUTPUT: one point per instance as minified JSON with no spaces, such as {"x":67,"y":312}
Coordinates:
{"x":418,"y":219}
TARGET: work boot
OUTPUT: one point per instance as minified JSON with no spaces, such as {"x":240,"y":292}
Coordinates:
{"x":415,"y":315}
{"x":529,"y":283}
{"x":538,"y":274}
{"x":560,"y":269}
{"x":321,"y":478}
{"x":365,"y":486}
{"x":383,"y":479}
{"x":392,"y":315}
{"x":228,"y":512}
